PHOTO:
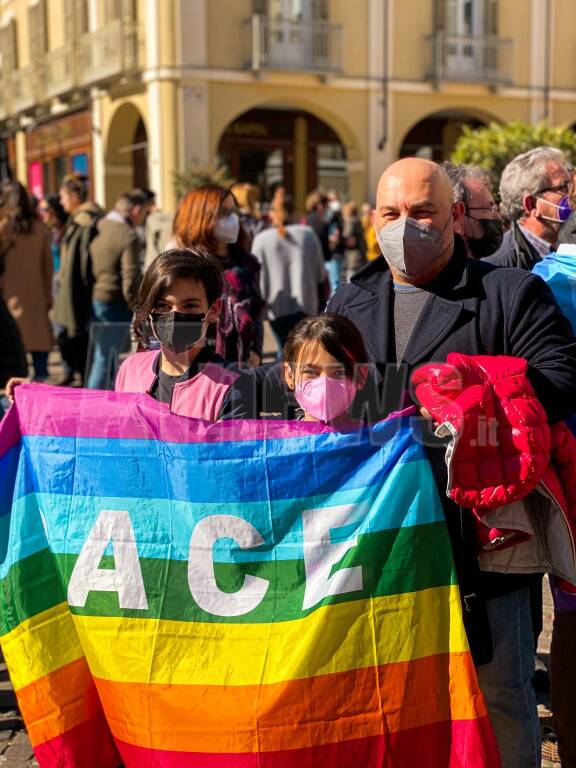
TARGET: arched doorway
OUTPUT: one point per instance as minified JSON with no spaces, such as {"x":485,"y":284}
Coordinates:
{"x":126,"y":153}
{"x":284,"y":147}
{"x":435,"y":137}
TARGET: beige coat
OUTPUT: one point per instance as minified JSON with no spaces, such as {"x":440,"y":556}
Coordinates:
{"x":27,"y":287}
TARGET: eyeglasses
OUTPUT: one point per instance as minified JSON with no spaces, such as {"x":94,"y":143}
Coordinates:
{"x":494,"y":209}
{"x":561,"y":189}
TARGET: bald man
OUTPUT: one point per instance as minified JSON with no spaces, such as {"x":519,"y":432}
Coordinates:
{"x":424,"y":299}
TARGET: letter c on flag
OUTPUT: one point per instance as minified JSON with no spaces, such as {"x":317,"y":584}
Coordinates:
{"x":201,"y":577}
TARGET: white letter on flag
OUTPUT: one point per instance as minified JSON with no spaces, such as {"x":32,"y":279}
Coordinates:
{"x":321,"y":555}
{"x":201,"y":577}
{"x":125,"y":578}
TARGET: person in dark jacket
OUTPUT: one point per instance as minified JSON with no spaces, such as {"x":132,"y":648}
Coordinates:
{"x":73,"y":304}
{"x":422,"y":301}
{"x":534,"y":190}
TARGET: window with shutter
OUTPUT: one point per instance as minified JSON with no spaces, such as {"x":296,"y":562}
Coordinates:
{"x":37,"y":27}
{"x":10,"y":59}
{"x":80,"y":17}
{"x":492,"y":18}
{"x":320,"y":10}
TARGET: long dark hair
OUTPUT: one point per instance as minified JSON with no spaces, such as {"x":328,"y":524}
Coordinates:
{"x":15,"y":200}
{"x":335,"y":333}
{"x":163,"y":272}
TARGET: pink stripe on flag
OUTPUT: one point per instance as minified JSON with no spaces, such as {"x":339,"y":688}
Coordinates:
{"x":52,"y":411}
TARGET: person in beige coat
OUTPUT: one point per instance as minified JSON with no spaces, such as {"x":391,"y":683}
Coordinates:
{"x":27,"y":281}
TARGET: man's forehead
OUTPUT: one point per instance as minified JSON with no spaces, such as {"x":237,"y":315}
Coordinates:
{"x":479,"y":192}
{"x":395,"y":189}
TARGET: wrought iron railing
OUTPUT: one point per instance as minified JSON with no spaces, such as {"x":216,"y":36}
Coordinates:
{"x":277,"y":43}
{"x":107,"y":52}
{"x":59,"y":71}
{"x":23,"y":89}
{"x":479,"y":59}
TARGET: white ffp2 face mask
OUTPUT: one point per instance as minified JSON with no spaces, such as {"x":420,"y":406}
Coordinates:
{"x":411,"y":247}
{"x":227,"y":228}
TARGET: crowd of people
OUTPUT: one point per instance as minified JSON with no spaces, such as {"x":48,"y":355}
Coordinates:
{"x":356,"y":299}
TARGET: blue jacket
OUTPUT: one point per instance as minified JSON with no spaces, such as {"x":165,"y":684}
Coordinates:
{"x":559,"y":271}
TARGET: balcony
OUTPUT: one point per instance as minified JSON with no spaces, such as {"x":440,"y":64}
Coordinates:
{"x":23,"y":89}
{"x":485,"y":60}
{"x":107,"y":53}
{"x":294,"y":45}
{"x":59,"y":72}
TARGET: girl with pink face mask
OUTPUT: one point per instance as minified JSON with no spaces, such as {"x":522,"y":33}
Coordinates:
{"x":325,"y":365}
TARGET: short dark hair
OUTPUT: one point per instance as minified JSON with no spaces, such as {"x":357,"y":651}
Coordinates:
{"x":167,"y":267}
{"x":149,"y":194}
{"x":137,"y":197}
{"x":53,"y":202}
{"x":335,"y":333}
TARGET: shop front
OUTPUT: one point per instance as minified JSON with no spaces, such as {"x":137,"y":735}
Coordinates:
{"x":56,"y":148}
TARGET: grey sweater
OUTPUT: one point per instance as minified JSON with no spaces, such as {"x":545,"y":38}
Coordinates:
{"x":292,"y":270}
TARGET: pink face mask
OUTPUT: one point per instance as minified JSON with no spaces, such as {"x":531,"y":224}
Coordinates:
{"x":325,"y":398}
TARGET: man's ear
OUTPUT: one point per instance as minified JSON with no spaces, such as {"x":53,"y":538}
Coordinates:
{"x":288,"y":375}
{"x":214,"y":311}
{"x":529,"y":204}
{"x":458,"y":211}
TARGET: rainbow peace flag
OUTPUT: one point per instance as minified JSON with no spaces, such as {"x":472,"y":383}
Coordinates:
{"x":236,"y":595}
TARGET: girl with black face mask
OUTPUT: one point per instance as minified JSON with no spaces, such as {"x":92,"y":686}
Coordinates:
{"x":179,"y":298}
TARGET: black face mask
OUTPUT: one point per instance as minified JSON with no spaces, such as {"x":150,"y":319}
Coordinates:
{"x":491,"y":240}
{"x":178,"y":331}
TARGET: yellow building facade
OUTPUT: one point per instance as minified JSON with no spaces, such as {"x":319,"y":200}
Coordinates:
{"x":302,"y":93}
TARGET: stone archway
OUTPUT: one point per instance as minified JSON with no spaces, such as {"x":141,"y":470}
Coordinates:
{"x":434,"y":136}
{"x":287,"y":147}
{"x":126,"y":152}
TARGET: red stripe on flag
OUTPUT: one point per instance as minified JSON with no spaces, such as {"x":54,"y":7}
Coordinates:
{"x":88,"y":745}
{"x":456,"y":744}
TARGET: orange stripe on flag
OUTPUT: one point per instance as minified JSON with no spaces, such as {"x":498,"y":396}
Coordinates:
{"x":294,"y":714}
{"x":59,"y":701}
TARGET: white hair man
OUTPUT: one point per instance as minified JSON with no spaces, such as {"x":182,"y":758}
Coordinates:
{"x":535,"y":195}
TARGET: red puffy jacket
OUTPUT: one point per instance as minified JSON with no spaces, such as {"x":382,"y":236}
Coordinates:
{"x":505,"y":462}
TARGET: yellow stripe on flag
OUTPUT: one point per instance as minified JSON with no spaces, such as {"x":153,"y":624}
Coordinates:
{"x":334,"y":638}
{"x":41,"y":645}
